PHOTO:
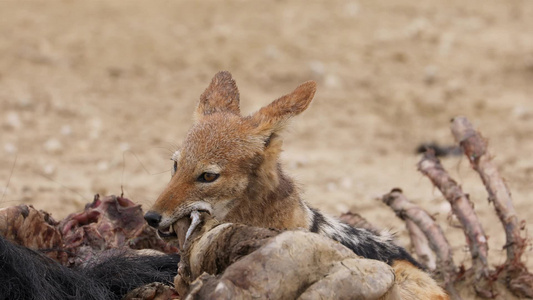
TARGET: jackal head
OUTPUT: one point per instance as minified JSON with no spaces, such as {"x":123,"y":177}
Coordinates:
{"x":228,"y":164}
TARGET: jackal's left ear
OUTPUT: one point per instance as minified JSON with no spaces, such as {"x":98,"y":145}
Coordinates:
{"x":272,"y":118}
{"x":221,"y":95}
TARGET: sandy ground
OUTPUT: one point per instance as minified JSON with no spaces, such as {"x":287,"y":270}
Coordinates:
{"x":95,"y":95}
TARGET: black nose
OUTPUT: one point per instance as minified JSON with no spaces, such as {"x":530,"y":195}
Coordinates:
{"x":152,"y":218}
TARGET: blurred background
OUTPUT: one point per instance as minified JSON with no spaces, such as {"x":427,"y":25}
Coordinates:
{"x":96,"y":95}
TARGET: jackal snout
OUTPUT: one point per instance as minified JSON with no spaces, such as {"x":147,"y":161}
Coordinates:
{"x":152,"y":218}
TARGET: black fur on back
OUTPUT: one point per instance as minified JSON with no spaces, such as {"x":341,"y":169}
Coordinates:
{"x":27,"y":274}
{"x":361,"y":241}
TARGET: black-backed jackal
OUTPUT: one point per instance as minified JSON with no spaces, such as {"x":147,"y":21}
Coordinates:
{"x":229,"y":166}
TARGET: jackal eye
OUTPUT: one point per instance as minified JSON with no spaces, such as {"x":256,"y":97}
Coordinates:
{"x":208,"y":177}
{"x":174,"y":169}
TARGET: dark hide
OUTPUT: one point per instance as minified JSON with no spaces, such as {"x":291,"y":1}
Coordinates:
{"x":27,"y":274}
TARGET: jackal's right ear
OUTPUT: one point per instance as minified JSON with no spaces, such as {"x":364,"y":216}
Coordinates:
{"x":273,"y":117}
{"x":221,"y":95}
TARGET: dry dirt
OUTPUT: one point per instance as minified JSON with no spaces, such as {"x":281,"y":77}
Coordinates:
{"x":95,"y":95}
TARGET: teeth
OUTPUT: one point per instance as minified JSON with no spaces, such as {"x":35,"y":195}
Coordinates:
{"x":195,"y":220}
{"x":171,"y":229}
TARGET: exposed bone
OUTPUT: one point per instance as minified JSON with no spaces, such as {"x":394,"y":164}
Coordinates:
{"x":463,"y":209}
{"x":421,"y":245}
{"x":475,"y":149}
{"x":356,"y":220}
{"x":409,"y":211}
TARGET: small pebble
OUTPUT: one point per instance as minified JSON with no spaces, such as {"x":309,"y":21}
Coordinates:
{"x":331,"y":187}
{"x":66,"y":130}
{"x":24,"y":102}
{"x":430,"y":74}
{"x":332,"y":81}
{"x":53,"y":146}
{"x":317,"y":67}
{"x":446,"y":43}
{"x":522,"y":112}
{"x":96,"y":128}
{"x":49,"y":169}
{"x":346,"y":183}
{"x":417,"y":27}
{"x":102,"y":166}
{"x":351,"y":9}
{"x":272,"y":52}
{"x":10,"y":148}
{"x":341,"y":207}
{"x":13,"y":120}
{"x":454,"y":86}
{"x":444,"y":208}
{"x":124,"y":147}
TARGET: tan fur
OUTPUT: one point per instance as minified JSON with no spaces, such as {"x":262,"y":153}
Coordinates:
{"x":252,"y":188}
{"x":414,"y":283}
{"x":221,"y":95}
